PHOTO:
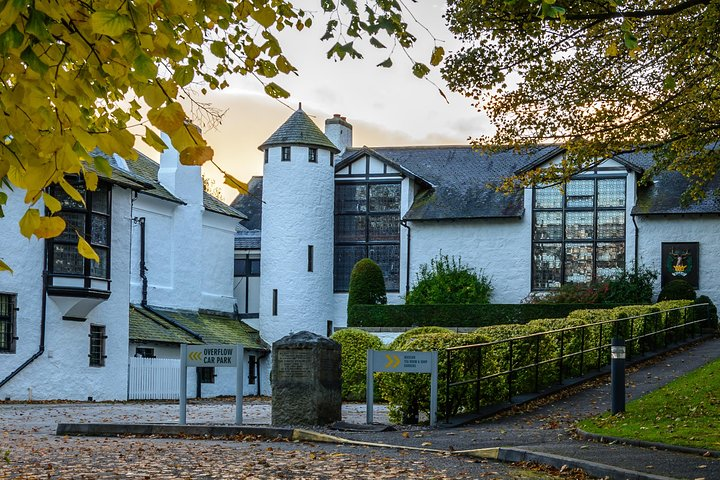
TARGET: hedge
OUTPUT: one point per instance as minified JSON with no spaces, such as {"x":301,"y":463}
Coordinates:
{"x":355,"y":344}
{"x":408,"y":394}
{"x":454,"y":315}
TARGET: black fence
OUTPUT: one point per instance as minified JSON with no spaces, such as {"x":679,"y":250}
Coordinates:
{"x":495,"y":372}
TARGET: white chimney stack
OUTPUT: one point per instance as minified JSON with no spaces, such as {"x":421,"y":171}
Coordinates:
{"x":339,"y":131}
{"x":183,"y":181}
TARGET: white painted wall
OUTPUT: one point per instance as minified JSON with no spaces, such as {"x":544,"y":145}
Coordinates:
{"x":654,"y":230}
{"x":216,"y":261}
{"x":225,"y":377}
{"x":298,"y":211}
{"x":63,"y":371}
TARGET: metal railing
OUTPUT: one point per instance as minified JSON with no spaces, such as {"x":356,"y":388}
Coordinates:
{"x":496,"y":371}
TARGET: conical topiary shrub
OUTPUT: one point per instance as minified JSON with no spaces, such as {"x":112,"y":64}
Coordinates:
{"x":367,"y":285}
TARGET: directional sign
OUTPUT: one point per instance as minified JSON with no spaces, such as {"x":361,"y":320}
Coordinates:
{"x":402,"y":362}
{"x":211,"y":356}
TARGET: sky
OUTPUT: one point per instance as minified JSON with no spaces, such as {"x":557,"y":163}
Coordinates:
{"x":385,"y":106}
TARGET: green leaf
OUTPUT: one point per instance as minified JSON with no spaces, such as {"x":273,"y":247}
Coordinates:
{"x":183,"y":75}
{"x":330,"y":30}
{"x":110,"y":23}
{"x":327,"y":5}
{"x":265,"y":16}
{"x":376,"y":43}
{"x":218,"y":49}
{"x":102,"y":165}
{"x":669,"y":83}
{"x":154,"y":140}
{"x":386,"y":64}
{"x":145,"y":67}
{"x":437,"y":55}
{"x":37,"y":26}
{"x":10,"y":38}
{"x":630,"y":41}
{"x":276,"y":91}
{"x":420,"y":70}
{"x":32,"y":61}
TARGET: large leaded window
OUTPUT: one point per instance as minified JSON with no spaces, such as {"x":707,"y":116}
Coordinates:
{"x":92,"y":222}
{"x":367,"y":225}
{"x":578,"y":234}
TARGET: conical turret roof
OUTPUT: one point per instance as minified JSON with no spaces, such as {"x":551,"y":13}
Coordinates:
{"x":299,"y":129}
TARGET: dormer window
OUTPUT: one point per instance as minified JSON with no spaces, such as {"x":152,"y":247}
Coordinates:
{"x":67,"y":269}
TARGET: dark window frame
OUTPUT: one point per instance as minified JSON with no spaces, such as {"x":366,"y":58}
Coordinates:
{"x":145,"y":352}
{"x":266,"y":155}
{"x":274,"y":302}
{"x":243,"y":267}
{"x":564,"y":241}
{"x":89,"y":212}
{"x":98,"y":345}
{"x":310,"y":258}
{"x":285,"y":154}
{"x":313,"y":155}
{"x":368,"y":214}
{"x":206,"y":374}
{"x":8,"y":322}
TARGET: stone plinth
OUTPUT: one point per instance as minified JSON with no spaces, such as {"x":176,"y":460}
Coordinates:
{"x":305,"y":380}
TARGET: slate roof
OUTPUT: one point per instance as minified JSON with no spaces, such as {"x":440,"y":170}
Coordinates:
{"x":251,"y":204}
{"x":118,"y":176}
{"x":463,"y":180}
{"x":299,"y":129}
{"x":247,"y":240}
{"x":662,"y":197}
{"x":146,"y":326}
{"x":147,"y":169}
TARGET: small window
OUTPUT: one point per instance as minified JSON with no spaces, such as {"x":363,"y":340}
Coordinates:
{"x":285,"y":154}
{"x":266,"y":155}
{"x":252,"y":366}
{"x":206,"y":374}
{"x":97,"y":345}
{"x":312,"y":155}
{"x":332,"y":159}
{"x":7,"y":323}
{"x":145,"y":352}
{"x":275,"y":302}
{"x":310,"y":257}
{"x":247,"y":267}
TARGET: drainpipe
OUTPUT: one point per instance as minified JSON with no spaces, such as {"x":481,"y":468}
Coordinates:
{"x":143,"y":276}
{"x":404,"y":223}
{"x":143,"y":267}
{"x":637,"y":247}
{"x":41,"y":347}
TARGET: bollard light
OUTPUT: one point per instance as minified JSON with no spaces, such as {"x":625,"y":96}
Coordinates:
{"x":617,"y":375}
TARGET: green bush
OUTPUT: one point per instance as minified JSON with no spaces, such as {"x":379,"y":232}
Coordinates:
{"x":712,"y":315}
{"x":447,"y":280}
{"x":575,"y":293}
{"x":632,"y":287}
{"x":355,"y":344}
{"x":677,"y":290}
{"x":413,"y":333}
{"x":458,"y":315}
{"x":408,"y":394}
{"x":367,"y":285}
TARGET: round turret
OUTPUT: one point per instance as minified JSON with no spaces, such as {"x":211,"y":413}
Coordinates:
{"x":296,"y":262}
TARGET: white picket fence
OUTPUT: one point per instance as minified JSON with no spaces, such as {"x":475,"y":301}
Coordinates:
{"x":154,"y":378}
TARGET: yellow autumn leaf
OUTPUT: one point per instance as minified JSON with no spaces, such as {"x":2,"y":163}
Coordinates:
{"x":29,"y":222}
{"x":50,"y":227}
{"x":70,"y":190}
{"x":4,"y":267}
{"x":51,"y":203}
{"x":86,"y":250}
{"x":233,"y":182}
{"x":612,"y":50}
{"x":154,"y":140}
{"x":91,"y":180}
{"x":168,"y":119}
{"x":196,"y":155}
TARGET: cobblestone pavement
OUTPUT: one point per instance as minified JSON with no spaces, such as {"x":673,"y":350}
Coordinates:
{"x":31,"y":450}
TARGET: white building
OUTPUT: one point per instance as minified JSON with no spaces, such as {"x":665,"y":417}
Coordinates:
{"x":402,"y":206}
{"x":68,"y":326}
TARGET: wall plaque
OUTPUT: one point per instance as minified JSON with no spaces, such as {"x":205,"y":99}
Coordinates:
{"x":681,"y":261}
{"x":294,"y":364}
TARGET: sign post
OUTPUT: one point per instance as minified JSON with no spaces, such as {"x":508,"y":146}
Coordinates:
{"x":212,"y":356}
{"x":402,"y":362}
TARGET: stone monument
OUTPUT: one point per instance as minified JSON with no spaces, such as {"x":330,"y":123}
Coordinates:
{"x":306,"y":380}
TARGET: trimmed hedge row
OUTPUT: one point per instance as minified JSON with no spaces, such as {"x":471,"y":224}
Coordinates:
{"x":408,"y":394}
{"x":454,"y":315}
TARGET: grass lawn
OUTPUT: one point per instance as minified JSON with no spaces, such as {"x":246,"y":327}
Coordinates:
{"x":684,"y":412}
